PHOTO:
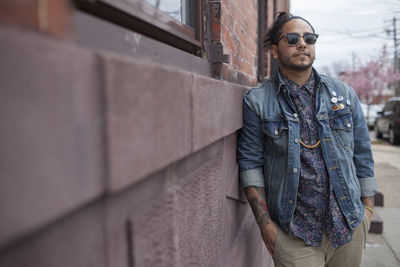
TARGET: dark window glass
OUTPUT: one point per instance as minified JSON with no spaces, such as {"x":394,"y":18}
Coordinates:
{"x":181,"y":10}
{"x":389,"y":106}
{"x":397,"y":111}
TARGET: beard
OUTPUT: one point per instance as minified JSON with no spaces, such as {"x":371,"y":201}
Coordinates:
{"x":287,"y":63}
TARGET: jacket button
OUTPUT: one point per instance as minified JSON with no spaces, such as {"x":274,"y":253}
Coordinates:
{"x":296,"y":140}
{"x":295,"y":115}
{"x":295,"y":170}
{"x":290,"y":202}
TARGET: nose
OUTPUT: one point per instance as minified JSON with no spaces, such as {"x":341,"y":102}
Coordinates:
{"x":301,"y":43}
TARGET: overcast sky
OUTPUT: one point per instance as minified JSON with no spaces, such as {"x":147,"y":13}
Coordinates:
{"x":337,"y":20}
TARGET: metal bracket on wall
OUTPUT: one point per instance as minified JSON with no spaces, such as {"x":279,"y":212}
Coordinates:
{"x":217,"y":55}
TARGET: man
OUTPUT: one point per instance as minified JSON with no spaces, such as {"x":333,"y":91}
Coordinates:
{"x":305,"y":157}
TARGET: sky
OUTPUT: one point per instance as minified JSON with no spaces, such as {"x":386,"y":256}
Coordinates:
{"x":349,"y":28}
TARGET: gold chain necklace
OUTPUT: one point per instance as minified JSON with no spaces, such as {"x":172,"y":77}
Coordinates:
{"x":312,"y":146}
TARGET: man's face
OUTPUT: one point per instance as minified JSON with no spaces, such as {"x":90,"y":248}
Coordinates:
{"x":299,"y":57}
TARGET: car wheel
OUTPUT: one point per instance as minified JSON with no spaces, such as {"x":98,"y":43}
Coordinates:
{"x":393,"y":139}
{"x":378,"y":134}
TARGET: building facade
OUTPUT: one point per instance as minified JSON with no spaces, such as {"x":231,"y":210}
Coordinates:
{"x":119,"y":124}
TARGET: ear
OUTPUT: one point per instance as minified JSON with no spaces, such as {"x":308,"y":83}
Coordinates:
{"x":274,"y":51}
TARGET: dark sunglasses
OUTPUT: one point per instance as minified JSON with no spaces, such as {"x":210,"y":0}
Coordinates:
{"x":293,"y":38}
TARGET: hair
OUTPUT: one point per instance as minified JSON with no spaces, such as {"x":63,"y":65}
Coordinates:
{"x":274,"y":33}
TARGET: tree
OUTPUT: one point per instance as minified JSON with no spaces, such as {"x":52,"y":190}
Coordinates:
{"x":372,"y":77}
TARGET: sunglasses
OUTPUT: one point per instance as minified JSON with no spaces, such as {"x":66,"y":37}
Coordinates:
{"x":293,"y":38}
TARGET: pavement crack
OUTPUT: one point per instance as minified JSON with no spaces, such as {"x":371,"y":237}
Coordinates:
{"x":391,"y":249}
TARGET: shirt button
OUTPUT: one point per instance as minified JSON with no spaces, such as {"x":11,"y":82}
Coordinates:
{"x":296,"y":140}
{"x":295,"y":170}
{"x":295,"y":115}
{"x":290,"y":202}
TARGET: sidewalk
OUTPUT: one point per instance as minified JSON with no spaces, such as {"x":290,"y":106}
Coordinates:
{"x":384,"y":249}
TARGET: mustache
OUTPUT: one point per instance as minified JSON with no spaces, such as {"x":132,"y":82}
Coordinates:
{"x":302,"y":52}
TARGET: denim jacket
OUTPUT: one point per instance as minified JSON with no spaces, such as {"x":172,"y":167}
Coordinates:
{"x":269,"y":147}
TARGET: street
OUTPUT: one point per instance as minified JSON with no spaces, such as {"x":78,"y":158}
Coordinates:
{"x":384,"y":249}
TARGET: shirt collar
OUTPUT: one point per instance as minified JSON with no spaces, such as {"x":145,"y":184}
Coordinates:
{"x":295,"y":88}
{"x":280,"y":81}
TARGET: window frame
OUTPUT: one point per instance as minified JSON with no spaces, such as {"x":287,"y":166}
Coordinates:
{"x":142,"y":17}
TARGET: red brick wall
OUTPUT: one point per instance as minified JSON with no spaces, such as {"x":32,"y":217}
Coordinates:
{"x":48,"y":16}
{"x":239,"y":30}
{"x":236,"y":28}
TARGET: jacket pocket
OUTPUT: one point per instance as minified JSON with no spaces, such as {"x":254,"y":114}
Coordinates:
{"x":342,"y":128}
{"x":276,"y":135}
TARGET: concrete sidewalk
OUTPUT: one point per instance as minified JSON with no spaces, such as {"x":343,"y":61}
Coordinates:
{"x":384,"y":249}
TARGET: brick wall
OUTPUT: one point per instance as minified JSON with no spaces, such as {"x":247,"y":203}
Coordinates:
{"x":236,"y":27}
{"x":47,"y":16}
{"x":102,"y":166}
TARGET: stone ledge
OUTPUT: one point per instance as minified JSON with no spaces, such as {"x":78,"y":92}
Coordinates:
{"x":157,"y":115}
{"x":77,"y":241}
{"x":217,"y":110}
{"x":56,"y":116}
{"x":51,"y":131}
{"x":180,"y":202}
{"x":148,"y":112}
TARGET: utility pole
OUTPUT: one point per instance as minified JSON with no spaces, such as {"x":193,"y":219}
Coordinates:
{"x":396,"y":58}
{"x":395,"y":44}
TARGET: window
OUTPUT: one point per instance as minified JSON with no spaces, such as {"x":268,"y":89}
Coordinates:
{"x":174,"y":22}
{"x":389,"y":106}
{"x":397,"y":109}
{"x":181,"y":10}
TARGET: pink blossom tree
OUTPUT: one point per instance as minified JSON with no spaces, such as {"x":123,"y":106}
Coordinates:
{"x":373,"y":76}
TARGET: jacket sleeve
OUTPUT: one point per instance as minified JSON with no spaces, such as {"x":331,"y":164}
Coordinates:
{"x":251,"y":148}
{"x":362,"y":158}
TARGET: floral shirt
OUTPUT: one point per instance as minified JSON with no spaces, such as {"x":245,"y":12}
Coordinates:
{"x":316,"y":206}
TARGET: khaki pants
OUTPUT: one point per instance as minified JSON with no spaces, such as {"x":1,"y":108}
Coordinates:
{"x":292,"y":251}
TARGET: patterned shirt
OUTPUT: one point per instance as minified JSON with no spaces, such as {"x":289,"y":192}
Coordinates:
{"x":316,"y":206}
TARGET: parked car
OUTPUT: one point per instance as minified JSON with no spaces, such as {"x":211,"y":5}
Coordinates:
{"x":388,"y":121}
{"x":371,"y":113}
